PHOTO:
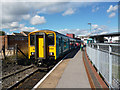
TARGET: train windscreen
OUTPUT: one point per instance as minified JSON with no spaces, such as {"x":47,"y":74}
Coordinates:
{"x":51,"y":39}
{"x":32,"y":40}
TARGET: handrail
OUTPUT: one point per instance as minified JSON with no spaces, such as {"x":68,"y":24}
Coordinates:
{"x":106,"y":44}
{"x":105,"y":59}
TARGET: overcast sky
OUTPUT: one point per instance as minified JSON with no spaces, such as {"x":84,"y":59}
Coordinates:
{"x":64,"y":17}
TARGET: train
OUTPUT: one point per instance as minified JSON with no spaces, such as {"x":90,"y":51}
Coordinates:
{"x":47,"y":46}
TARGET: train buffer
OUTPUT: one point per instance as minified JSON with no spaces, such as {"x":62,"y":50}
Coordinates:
{"x":73,"y":72}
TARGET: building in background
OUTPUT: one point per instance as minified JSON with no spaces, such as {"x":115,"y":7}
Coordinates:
{"x":70,"y":35}
{"x":12,"y":40}
{"x":107,"y":38}
{"x":17,"y":34}
{"x":25,"y":33}
{"x":84,"y":38}
{"x":9,"y":41}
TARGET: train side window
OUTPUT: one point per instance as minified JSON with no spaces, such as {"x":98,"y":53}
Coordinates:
{"x":59,"y":42}
{"x":51,"y":39}
{"x":32,"y":40}
{"x":65,"y":43}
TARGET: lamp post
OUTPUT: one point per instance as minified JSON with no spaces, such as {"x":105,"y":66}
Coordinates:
{"x":90,"y":26}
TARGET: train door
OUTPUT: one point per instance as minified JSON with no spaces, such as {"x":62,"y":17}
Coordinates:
{"x":61,"y":45}
{"x":40,"y":45}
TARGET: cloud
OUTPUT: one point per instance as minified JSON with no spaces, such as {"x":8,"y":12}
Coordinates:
{"x":55,"y":8}
{"x":77,"y":32}
{"x":13,"y":12}
{"x":13,"y":25}
{"x":98,"y":29}
{"x":37,"y":20}
{"x":112,"y":15}
{"x":16,"y":11}
{"x":16,"y":26}
{"x":29,"y":29}
{"x":26,"y":17}
{"x":112,"y":8}
{"x":69,"y":12}
{"x":6,"y":26}
{"x":94,"y":26}
{"x":95,"y":9}
{"x":24,"y":29}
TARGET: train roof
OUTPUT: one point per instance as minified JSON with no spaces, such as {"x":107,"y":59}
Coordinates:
{"x":50,"y":31}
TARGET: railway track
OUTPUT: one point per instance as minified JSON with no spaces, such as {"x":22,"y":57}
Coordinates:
{"x":26,"y":78}
{"x":30,"y":81}
{"x":11,"y":79}
{"x":8,"y":75}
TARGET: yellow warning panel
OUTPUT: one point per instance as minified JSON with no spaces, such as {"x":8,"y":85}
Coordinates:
{"x":40,"y":46}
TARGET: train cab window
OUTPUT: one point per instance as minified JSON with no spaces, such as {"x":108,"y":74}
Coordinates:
{"x":32,"y":40}
{"x":51,"y":39}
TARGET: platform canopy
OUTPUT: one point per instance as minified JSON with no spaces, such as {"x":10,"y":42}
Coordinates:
{"x":100,"y":38}
{"x":106,"y":35}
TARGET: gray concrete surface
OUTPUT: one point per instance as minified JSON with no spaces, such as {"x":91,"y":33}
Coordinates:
{"x":75,"y":75}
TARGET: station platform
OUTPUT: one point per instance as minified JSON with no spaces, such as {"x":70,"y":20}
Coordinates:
{"x":72,"y":73}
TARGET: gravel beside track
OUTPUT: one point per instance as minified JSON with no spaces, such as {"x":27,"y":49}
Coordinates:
{"x":30,"y":82}
{"x":14,"y":78}
{"x":17,"y":71}
{"x":11,"y":68}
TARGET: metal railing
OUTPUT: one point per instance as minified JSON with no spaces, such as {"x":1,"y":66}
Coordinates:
{"x":106,"y":58}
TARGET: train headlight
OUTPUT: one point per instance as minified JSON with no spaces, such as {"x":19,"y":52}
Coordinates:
{"x":32,"y":53}
{"x":51,"y":53}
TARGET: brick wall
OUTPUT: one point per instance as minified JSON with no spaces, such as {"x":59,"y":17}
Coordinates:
{"x":21,"y":41}
{"x":1,"y":41}
{"x":70,"y":35}
{"x":11,"y":40}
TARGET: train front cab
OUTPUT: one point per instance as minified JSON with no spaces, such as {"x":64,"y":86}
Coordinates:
{"x":43,"y":47}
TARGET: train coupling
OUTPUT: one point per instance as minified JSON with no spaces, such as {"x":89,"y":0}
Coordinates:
{"x":40,"y":62}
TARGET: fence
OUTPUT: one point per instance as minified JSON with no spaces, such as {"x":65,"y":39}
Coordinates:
{"x":12,"y":53}
{"x":7,"y":52}
{"x":106,"y":58}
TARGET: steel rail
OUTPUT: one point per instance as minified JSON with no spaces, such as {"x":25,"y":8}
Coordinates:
{"x":27,"y":76}
{"x":16,"y":72}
